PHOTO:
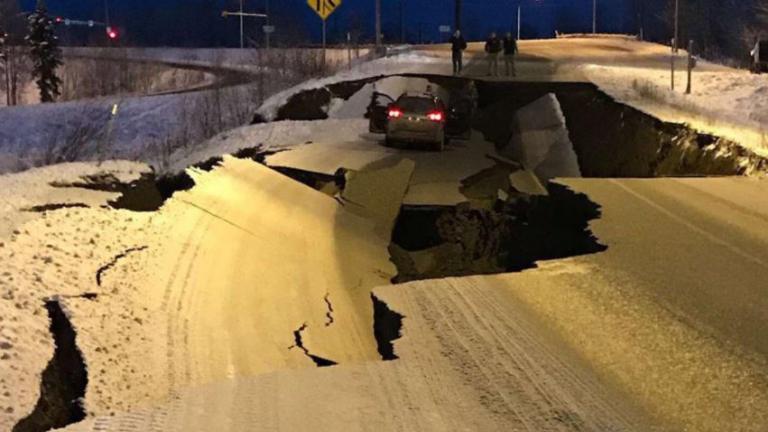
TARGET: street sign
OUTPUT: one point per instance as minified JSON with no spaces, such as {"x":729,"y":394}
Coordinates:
{"x":445,"y":29}
{"x":268,"y":29}
{"x":324,"y":8}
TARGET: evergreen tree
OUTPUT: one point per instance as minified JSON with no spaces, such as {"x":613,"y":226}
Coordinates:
{"x":45,"y":52}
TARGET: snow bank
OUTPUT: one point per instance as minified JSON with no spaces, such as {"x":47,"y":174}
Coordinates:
{"x":19,"y":193}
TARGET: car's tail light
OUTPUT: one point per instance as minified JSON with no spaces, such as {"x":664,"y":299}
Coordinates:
{"x":394,"y":112}
{"x":436,"y":116}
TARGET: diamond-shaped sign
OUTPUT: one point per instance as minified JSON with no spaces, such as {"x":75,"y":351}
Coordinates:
{"x":324,"y":8}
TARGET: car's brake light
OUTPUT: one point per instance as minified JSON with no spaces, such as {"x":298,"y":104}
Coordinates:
{"x":394,"y":113}
{"x":436,"y":116}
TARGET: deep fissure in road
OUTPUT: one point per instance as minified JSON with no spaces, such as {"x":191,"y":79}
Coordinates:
{"x":299,"y":343}
{"x":106,"y":267}
{"x":387,"y":327}
{"x":63,"y":382}
{"x":611,"y":139}
{"x":505,"y":236}
{"x":141,"y":195}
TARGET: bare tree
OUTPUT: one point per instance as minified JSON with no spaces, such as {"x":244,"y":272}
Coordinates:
{"x":762,"y":11}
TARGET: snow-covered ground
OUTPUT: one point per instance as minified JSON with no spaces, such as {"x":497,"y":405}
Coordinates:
{"x":146,"y":128}
{"x":247,"y":59}
{"x":724,"y":101}
{"x":170,"y":291}
{"x":729,"y":103}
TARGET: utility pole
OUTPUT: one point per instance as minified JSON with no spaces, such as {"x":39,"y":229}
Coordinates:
{"x":324,"y":42}
{"x":242,"y":16}
{"x":690,"y":67}
{"x":268,"y":33}
{"x":519,"y":19}
{"x":242,"y":38}
{"x":675,"y":42}
{"x":458,"y":15}
{"x":672,"y":64}
{"x":378,"y":25}
{"x":594,"y":16}
{"x":402,"y":23}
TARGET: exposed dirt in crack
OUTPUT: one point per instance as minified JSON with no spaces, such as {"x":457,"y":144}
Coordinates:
{"x":299,"y":343}
{"x":506,"y":236}
{"x":387,"y":327}
{"x":106,"y":267}
{"x":64,"y":380}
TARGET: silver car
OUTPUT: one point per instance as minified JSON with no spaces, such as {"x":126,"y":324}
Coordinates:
{"x":418,"y":119}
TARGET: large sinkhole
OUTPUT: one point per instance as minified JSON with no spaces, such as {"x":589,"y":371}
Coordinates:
{"x":508,"y":236}
{"x":610,"y":139}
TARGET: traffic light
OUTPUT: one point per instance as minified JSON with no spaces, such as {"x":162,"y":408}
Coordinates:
{"x":112,"y":33}
{"x":58,"y":20}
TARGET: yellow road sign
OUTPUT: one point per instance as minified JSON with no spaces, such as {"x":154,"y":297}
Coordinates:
{"x":324,"y":8}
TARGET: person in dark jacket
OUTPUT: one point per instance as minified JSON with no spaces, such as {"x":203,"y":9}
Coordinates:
{"x":493,"y":47}
{"x":510,"y":50}
{"x":458,"y":45}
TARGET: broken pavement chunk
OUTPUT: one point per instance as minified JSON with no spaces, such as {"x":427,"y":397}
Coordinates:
{"x":377,"y":191}
{"x":525,"y":181}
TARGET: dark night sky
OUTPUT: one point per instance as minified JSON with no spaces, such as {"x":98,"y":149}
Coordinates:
{"x":540,"y":18}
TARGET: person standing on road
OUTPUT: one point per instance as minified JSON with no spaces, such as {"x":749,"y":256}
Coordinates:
{"x":493,"y":48}
{"x":458,"y":45}
{"x":510,"y":50}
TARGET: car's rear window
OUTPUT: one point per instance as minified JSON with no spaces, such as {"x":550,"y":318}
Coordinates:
{"x":416,"y":105}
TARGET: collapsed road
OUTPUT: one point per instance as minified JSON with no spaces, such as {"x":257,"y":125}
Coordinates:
{"x":535,"y":299}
